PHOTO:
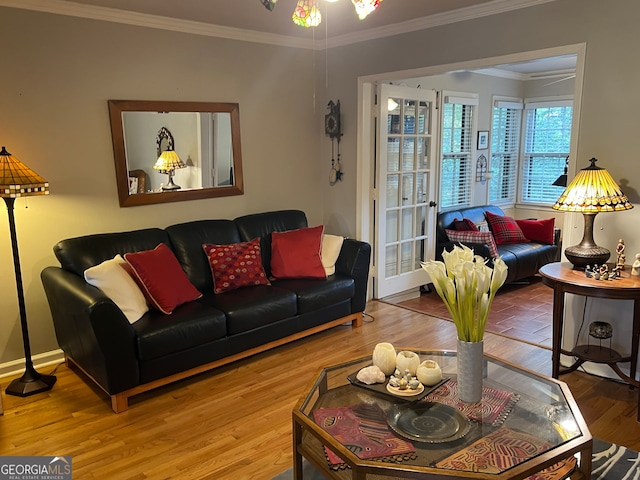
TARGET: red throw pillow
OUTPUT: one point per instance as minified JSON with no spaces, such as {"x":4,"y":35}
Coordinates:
{"x":505,"y":229}
{"x":161,"y":278}
{"x":296,"y":253}
{"x":468,"y":236}
{"x":541,"y":231}
{"x":464,"y":225}
{"x":236,"y":265}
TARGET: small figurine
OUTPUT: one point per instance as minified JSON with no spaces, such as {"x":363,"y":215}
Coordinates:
{"x":621,"y":255}
{"x":635,"y":268}
{"x":604,"y":272}
{"x":615,"y":273}
{"x":596,"y":272}
{"x":587,"y":271}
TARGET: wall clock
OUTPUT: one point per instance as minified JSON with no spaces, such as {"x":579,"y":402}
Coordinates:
{"x":333,"y":129}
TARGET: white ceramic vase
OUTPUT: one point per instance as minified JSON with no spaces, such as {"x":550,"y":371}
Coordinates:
{"x":470,"y":367}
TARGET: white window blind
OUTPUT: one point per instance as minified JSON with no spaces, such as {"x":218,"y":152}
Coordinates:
{"x":505,"y":147}
{"x":457,"y":145}
{"x":546,"y":148}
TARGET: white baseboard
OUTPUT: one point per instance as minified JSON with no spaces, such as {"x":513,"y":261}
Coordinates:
{"x":399,"y":297}
{"x":43,"y":362}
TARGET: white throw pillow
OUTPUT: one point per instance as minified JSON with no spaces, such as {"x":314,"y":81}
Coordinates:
{"x":117,"y":284}
{"x":331,"y":246}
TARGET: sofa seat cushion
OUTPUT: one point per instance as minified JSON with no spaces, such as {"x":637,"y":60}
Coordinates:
{"x":525,"y":259}
{"x":194,"y":323}
{"x":252,"y":307}
{"x":313,"y":294}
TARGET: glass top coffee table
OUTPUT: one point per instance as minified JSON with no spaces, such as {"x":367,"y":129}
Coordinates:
{"x":525,"y":423}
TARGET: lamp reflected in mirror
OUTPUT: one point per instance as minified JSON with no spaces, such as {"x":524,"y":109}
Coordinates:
{"x":168,"y":162}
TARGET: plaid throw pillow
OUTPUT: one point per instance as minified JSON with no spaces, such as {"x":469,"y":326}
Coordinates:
{"x":505,"y":229}
{"x":469,"y":236}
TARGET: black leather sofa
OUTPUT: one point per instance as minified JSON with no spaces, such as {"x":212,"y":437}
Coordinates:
{"x":522,"y":259}
{"x":125,"y":359}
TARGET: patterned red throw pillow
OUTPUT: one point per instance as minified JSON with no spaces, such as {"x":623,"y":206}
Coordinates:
{"x":468,"y":236}
{"x":505,"y":229}
{"x":236,"y":265}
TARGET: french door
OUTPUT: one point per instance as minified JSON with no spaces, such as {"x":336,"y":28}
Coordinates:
{"x":404,"y":190}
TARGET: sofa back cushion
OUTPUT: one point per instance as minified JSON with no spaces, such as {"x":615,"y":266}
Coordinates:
{"x":187,"y":240}
{"x":262,"y":224}
{"x":80,"y":253}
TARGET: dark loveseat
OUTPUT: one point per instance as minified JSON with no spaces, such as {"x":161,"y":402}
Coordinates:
{"x":125,"y":358}
{"x":522,"y":259}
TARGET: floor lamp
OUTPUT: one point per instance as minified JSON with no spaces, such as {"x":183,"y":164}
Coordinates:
{"x":18,"y":180}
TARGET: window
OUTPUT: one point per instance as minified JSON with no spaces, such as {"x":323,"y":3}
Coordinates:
{"x":546,"y":148}
{"x":457,"y":145}
{"x":505,"y":148}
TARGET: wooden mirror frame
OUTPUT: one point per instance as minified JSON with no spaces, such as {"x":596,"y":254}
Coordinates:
{"x":117,"y":107}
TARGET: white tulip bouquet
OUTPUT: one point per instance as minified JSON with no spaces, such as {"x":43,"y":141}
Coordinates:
{"x":467,"y":286}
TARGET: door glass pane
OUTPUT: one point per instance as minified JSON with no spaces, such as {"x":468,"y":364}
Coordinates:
{"x":393,"y":117}
{"x":423,"y":119}
{"x":393,"y":192}
{"x":405,"y":258}
{"x":421,"y":221}
{"x":421,"y":187}
{"x":392,"y":226}
{"x":422,"y":152}
{"x":407,"y":223}
{"x":407,"y":189}
{"x":391,"y":261}
{"x":409,"y":117}
{"x":393,"y":154}
{"x":419,"y":254}
{"x":408,"y":147}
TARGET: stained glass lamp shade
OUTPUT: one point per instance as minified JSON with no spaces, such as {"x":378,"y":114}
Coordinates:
{"x":365,"y":7}
{"x":18,"y":180}
{"x":592,"y":191}
{"x":306,"y":14}
{"x":167,"y":162}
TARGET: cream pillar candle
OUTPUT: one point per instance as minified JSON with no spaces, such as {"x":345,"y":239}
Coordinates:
{"x":407,"y":361}
{"x":384,"y":357}
{"x":429,"y":373}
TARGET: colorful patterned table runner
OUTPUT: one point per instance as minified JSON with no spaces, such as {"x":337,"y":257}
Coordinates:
{"x":363,"y":430}
{"x":503,"y":449}
{"x":493,"y":409}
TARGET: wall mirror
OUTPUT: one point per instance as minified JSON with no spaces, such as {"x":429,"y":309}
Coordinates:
{"x":204,"y":136}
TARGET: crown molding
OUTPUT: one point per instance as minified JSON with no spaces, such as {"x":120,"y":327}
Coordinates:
{"x":62,"y":7}
{"x":460,"y":15}
{"x":73,"y":9}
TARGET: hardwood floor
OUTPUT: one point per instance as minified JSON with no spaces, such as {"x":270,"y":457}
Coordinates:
{"x":533,"y":301}
{"x":235,"y":422}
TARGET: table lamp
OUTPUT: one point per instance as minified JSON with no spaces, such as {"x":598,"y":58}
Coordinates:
{"x":18,"y":180}
{"x":167,"y":162}
{"x":592,"y":191}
